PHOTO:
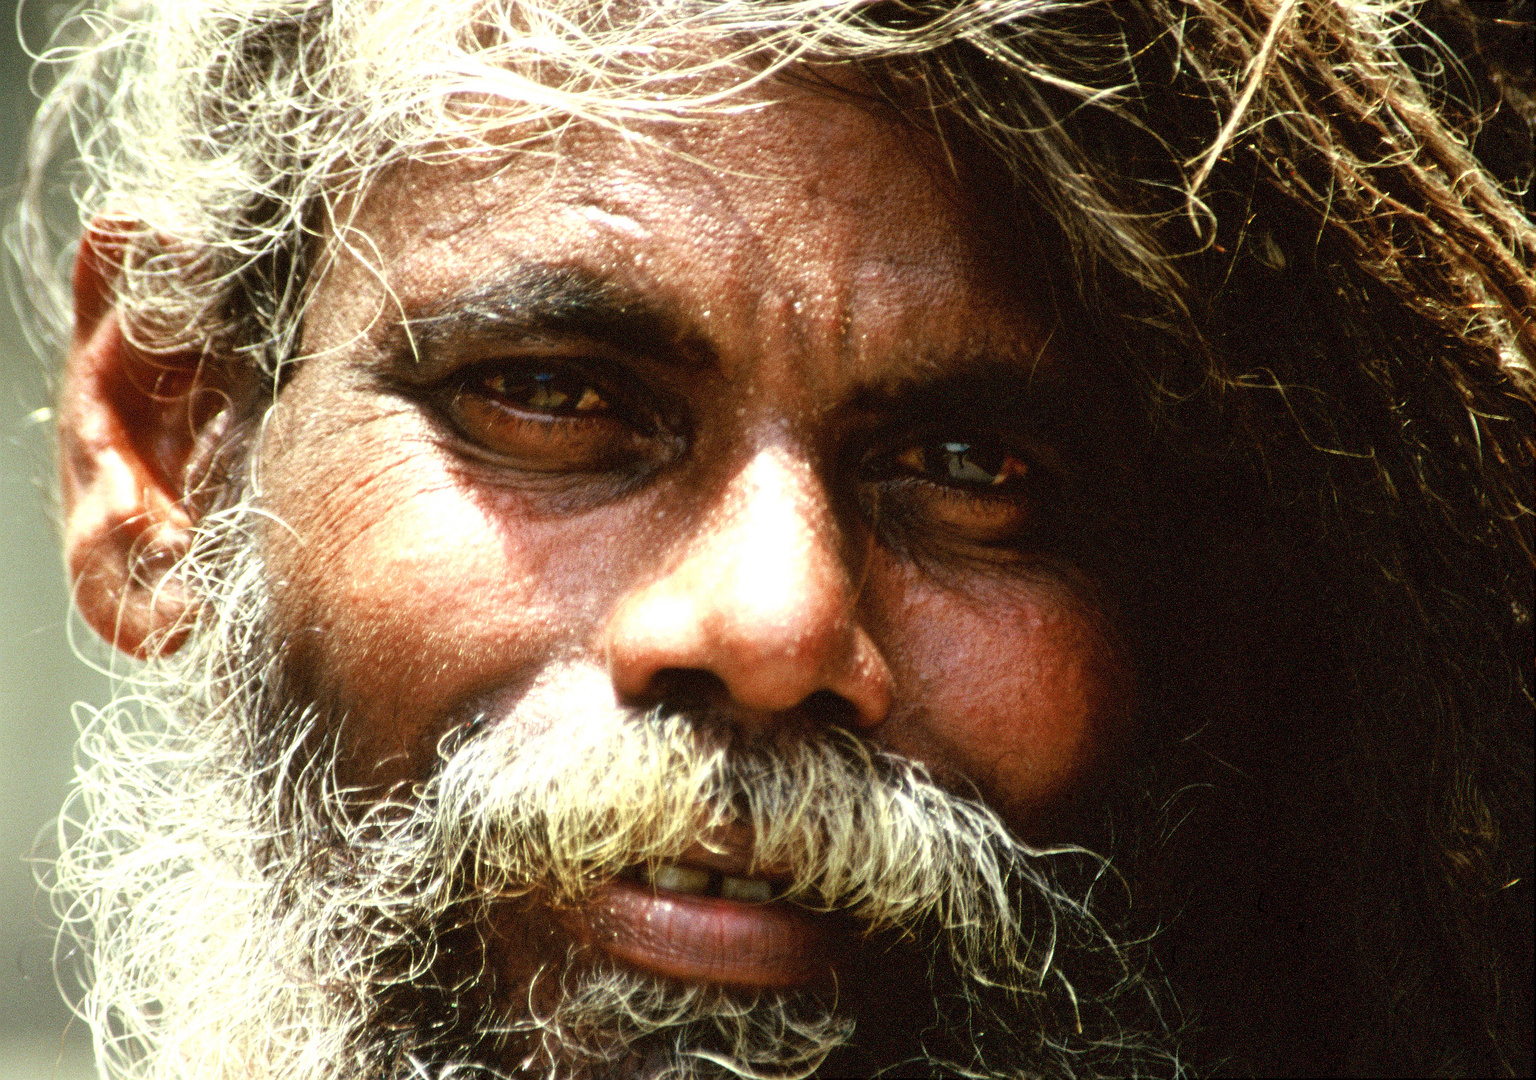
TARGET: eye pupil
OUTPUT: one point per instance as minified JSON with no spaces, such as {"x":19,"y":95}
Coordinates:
{"x":968,"y":464}
{"x":547,"y":391}
{"x":968,"y":493}
{"x":961,"y":463}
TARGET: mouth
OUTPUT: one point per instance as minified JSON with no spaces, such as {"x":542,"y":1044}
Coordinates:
{"x":705,"y":919}
{"x":705,"y":881}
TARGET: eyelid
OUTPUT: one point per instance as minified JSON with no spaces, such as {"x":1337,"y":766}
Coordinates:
{"x":632,"y":436}
{"x":429,"y":364}
{"x":926,"y":507}
{"x":889,"y":450}
{"x":632,"y":397}
{"x":520,"y":371}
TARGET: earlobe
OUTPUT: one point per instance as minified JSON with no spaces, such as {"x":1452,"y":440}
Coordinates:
{"x":128,"y":430}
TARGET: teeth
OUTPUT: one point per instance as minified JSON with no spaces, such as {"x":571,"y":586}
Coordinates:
{"x":689,"y":879}
{"x":683,"y":879}
{"x":750,"y":890}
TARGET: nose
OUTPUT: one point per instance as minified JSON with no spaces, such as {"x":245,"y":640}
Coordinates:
{"x":757,"y":610}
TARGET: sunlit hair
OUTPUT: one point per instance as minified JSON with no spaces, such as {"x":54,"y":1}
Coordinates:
{"x":222,"y":136}
{"x":1254,"y":214}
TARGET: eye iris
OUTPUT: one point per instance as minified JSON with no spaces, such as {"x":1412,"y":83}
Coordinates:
{"x":542,"y":396}
{"x":548,"y":392}
{"x":966,"y":464}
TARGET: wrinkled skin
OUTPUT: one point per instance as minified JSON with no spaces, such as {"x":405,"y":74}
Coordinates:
{"x":810,"y":259}
{"x":707,"y":418}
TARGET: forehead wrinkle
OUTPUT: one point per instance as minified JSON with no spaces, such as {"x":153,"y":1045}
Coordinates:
{"x":912,"y":312}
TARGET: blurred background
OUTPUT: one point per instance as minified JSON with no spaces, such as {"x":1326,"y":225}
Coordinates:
{"x":40,"y":678}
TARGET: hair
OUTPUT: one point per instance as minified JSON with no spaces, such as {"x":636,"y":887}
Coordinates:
{"x":1257,"y":212}
{"x":239,"y":914}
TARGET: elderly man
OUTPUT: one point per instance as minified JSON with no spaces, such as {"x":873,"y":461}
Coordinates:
{"x":760,"y":537}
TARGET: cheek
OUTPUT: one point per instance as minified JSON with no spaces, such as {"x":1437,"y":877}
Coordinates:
{"x":402,"y":590}
{"x":1012,"y":685}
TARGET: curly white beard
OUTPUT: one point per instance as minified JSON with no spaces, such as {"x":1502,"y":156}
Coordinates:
{"x":246,"y":918}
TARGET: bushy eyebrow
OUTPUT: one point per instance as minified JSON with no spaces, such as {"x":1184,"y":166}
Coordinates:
{"x":563,"y":300}
{"x":983,"y":391}
{"x":537,"y":298}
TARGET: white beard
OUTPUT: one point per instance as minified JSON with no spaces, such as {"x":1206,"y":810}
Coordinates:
{"x":245,"y":919}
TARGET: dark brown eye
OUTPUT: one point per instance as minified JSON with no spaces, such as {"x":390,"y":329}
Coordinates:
{"x":551,"y":392}
{"x":971,"y":493}
{"x":963,"y":464}
{"x":548,"y":419}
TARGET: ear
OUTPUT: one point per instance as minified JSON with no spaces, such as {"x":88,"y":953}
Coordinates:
{"x":129,"y":423}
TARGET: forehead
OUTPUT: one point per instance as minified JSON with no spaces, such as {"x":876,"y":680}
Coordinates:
{"x":810,"y":225}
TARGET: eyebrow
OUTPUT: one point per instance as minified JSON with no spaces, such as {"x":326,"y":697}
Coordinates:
{"x":535,"y":298}
{"x":982,"y":392}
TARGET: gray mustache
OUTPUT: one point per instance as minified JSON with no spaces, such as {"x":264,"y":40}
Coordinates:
{"x":562,"y":812}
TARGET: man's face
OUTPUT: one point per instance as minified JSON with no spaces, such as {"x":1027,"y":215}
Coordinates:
{"x":741,"y":421}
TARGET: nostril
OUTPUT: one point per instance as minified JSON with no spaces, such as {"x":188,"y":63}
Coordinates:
{"x":687,"y":690}
{"x":830,"y":707}
{"x":702,"y":693}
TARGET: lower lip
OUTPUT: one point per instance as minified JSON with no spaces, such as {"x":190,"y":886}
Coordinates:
{"x":704,"y":938}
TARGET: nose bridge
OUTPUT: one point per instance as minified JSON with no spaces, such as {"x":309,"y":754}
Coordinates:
{"x":760,"y":598}
{"x":774,"y":551}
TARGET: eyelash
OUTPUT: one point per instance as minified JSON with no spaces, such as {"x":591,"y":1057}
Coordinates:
{"x":488,"y":404}
{"x":914,"y":509}
{"x":935,"y":483}
{"x":907,"y":458}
